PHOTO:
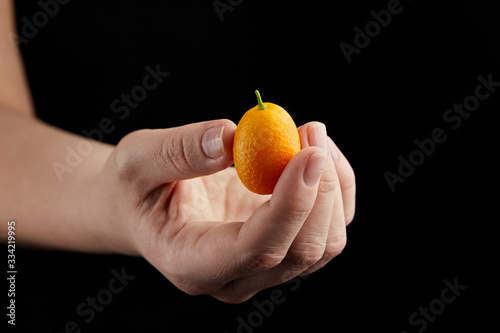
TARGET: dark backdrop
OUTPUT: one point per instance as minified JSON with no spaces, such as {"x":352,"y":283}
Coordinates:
{"x":419,"y":255}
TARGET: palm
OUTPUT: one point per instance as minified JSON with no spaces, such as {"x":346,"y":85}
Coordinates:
{"x":217,"y":197}
{"x":202,"y":215}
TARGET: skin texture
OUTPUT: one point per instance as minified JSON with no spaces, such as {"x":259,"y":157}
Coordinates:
{"x":265,"y":140}
{"x":170,"y":196}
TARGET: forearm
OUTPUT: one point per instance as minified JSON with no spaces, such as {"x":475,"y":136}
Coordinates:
{"x":48,"y":177}
{"x":49,"y":181}
{"x":14,"y":91}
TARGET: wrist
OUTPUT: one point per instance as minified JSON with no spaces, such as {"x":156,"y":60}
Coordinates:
{"x":109,"y":219}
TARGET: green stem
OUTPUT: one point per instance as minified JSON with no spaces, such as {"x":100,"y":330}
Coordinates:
{"x":261,"y":105}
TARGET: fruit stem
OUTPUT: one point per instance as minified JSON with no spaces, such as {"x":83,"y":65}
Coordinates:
{"x":261,"y":105}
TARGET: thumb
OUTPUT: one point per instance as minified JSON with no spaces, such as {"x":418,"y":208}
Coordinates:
{"x":150,"y":158}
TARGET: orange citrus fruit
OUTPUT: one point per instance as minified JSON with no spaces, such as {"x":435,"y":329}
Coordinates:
{"x":264,"y":142}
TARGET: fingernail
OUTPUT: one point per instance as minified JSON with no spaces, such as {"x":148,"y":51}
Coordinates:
{"x":314,"y":168}
{"x":317,"y":136}
{"x":212,"y":143}
{"x":333,"y":151}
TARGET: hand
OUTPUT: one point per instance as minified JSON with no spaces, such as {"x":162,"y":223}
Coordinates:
{"x":182,"y":207}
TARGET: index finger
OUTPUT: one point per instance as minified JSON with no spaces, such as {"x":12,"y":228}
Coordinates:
{"x":267,"y":235}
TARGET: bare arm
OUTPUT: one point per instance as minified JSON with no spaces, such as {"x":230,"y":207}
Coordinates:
{"x":14,"y":92}
{"x":48,"y":212}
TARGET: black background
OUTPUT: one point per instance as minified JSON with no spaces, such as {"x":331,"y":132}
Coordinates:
{"x":436,"y":225}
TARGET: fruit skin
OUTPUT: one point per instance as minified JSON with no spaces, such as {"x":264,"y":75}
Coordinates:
{"x":264,"y":142}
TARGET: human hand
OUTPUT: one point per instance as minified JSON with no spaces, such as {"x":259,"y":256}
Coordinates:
{"x":174,"y":200}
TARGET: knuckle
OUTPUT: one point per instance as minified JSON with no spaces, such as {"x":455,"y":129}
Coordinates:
{"x":296,"y":208}
{"x":174,"y":153}
{"x":327,"y":185}
{"x":235,"y":298}
{"x":299,"y":214}
{"x":335,"y":248}
{"x":261,"y":261}
{"x":329,"y":181}
{"x":192,"y":289}
{"x":298,"y":211}
{"x":233,"y":293}
{"x":306,"y":256}
{"x":232,"y":300}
